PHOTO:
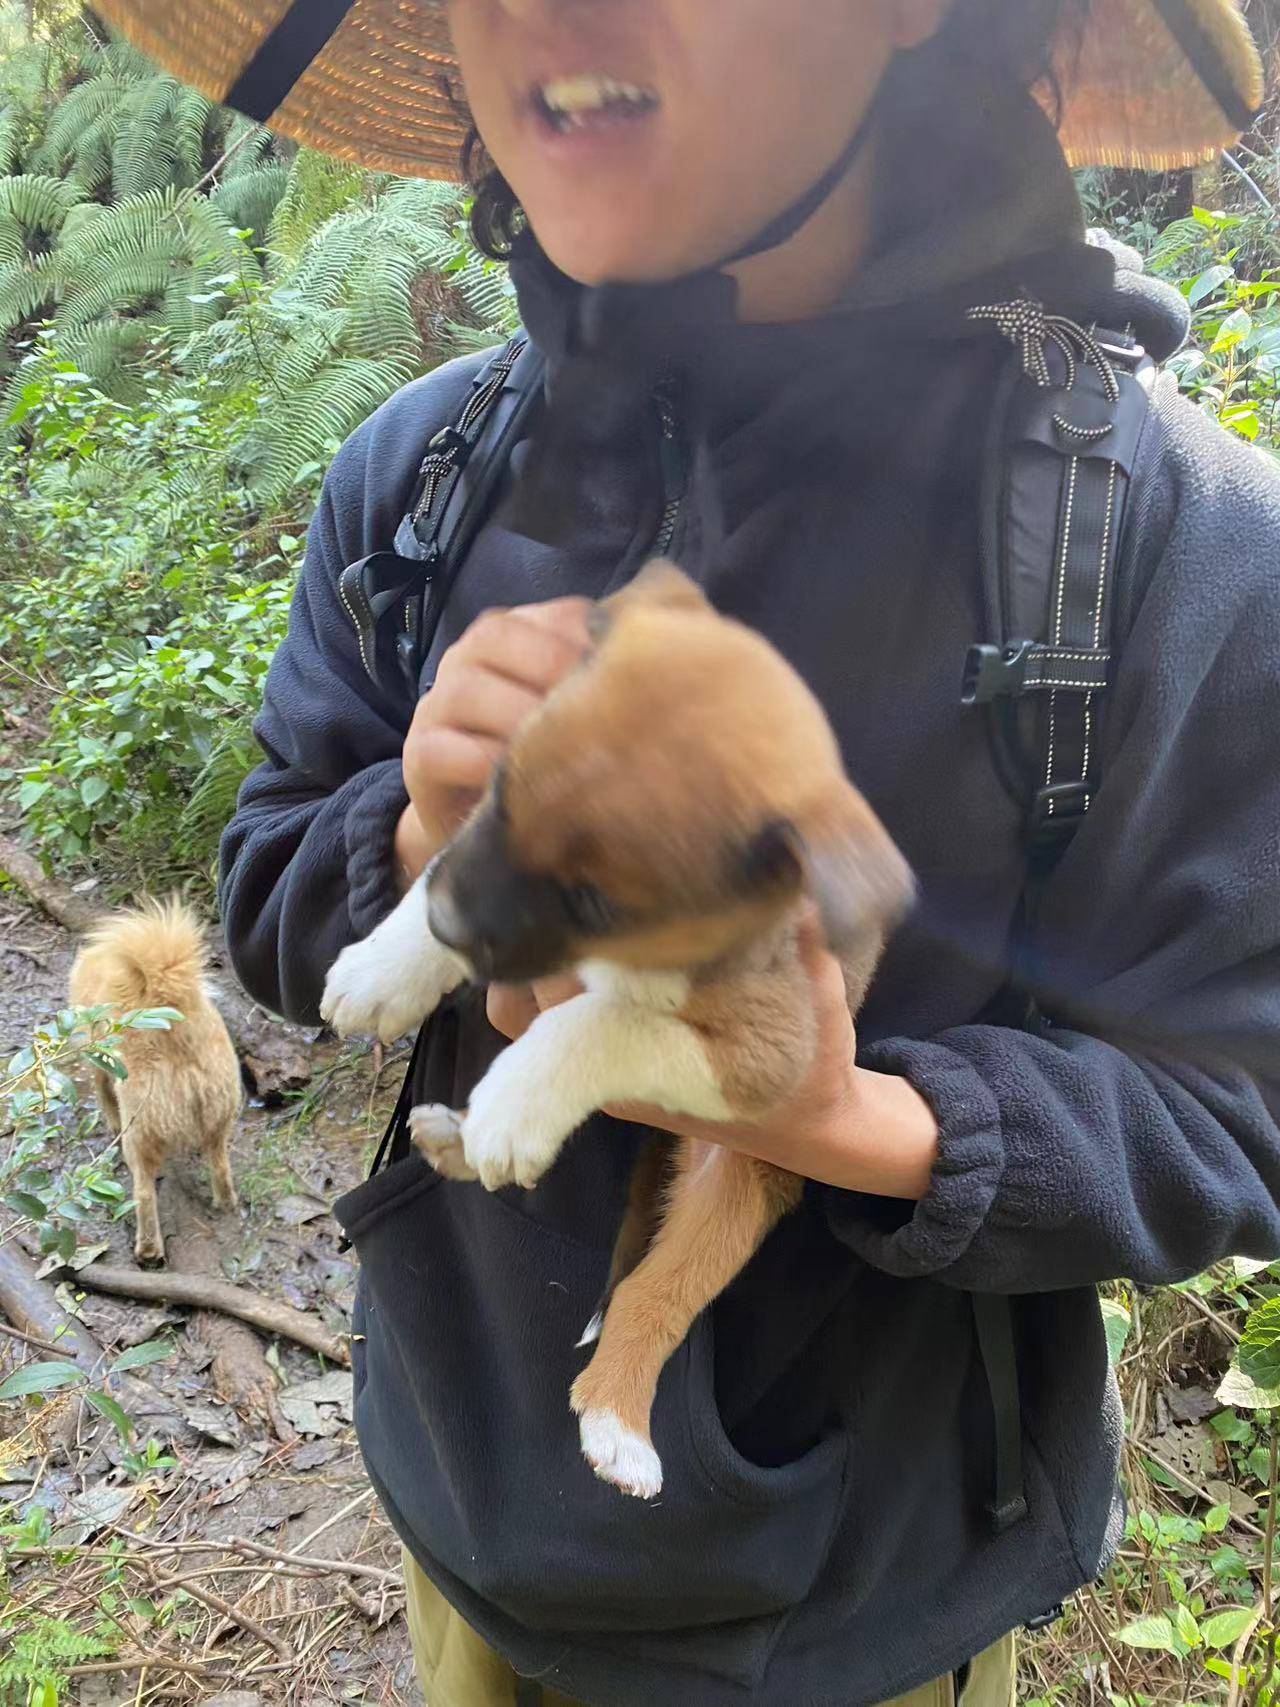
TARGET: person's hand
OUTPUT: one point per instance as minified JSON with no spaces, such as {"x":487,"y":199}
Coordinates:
{"x":488,"y":682}
{"x":845,"y":1126}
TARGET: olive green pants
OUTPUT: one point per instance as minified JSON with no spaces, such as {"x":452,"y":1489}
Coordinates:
{"x":456,"y":1669}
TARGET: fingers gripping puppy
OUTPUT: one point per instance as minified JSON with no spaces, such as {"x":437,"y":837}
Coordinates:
{"x":656,"y":825}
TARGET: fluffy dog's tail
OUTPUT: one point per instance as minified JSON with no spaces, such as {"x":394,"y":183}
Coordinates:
{"x":150,"y":956}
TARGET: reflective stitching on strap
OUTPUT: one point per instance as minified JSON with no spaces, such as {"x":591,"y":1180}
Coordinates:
{"x":1057,"y":618}
{"x":1103,"y":563}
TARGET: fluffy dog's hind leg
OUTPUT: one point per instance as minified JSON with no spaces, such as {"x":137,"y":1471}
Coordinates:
{"x":722,"y":1207}
{"x":148,"y":1244}
{"x":224,"y":1185}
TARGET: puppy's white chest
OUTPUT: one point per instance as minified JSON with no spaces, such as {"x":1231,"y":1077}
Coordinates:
{"x":662,"y":992}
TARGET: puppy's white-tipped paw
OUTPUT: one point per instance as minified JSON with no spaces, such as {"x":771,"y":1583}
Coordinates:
{"x":388,"y":984}
{"x":618,"y":1455}
{"x":591,"y":1333}
{"x":437,"y":1132}
{"x":510,"y":1133}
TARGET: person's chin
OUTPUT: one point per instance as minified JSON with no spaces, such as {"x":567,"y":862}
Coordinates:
{"x":591,"y":254}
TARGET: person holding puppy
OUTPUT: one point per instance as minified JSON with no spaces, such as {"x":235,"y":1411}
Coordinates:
{"x":795,"y":241}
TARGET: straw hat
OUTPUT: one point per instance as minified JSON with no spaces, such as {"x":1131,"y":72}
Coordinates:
{"x":1156,"y":83}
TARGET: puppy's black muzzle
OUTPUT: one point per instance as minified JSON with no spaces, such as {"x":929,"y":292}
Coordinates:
{"x":512,"y":925}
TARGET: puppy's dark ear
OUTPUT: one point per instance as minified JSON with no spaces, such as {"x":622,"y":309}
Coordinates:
{"x":861,"y":883}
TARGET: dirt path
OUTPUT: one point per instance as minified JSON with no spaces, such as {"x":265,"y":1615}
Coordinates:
{"x":220,"y":1475}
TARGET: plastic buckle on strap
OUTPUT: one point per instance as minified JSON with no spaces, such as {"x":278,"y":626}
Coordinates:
{"x":451,"y":443}
{"x":1003,"y":1517}
{"x":1034,"y":1625}
{"x":1057,"y":813}
{"x":992,"y":672}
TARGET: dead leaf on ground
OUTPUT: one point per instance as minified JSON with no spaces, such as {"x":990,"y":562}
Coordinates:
{"x":296,"y":1210}
{"x":1191,"y":1404}
{"x":87,"y":1513}
{"x":319,"y":1407}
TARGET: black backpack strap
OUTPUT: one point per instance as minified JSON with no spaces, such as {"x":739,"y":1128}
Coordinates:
{"x":1071,"y":408}
{"x":395,"y":598}
{"x":1064,"y":444}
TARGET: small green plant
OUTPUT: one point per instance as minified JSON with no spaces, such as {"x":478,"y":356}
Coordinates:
{"x":43,"y":1116}
{"x":1232,"y":364}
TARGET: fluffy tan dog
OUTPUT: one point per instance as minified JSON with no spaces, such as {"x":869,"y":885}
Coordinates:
{"x":183,"y":1091}
{"x":656,"y":826}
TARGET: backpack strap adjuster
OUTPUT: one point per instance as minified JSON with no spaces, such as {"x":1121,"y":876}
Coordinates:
{"x":1056,"y":814}
{"x":1023,"y":666}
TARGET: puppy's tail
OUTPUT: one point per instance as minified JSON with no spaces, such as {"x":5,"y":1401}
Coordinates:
{"x":150,"y":956}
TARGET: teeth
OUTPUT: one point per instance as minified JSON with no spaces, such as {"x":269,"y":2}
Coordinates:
{"x":567,"y":97}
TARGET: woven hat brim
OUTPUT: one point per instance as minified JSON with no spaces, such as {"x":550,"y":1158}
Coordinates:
{"x":1158,"y":86}
{"x":383,"y":91}
{"x":1153,"y":83}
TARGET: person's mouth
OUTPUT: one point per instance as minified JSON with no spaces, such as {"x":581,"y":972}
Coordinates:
{"x":591,"y":101}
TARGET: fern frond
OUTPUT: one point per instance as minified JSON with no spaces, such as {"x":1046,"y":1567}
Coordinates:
{"x":321,"y":415}
{"x":249,"y":201}
{"x":37,"y":203}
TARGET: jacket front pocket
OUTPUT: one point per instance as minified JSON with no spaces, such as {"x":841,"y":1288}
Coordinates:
{"x":471,"y":1311}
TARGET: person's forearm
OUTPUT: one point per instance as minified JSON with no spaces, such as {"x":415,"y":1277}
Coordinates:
{"x":413,"y":847}
{"x":882,"y":1140}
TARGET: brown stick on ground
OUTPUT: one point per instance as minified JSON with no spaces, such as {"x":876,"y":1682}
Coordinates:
{"x":204,"y":1292}
{"x":59,"y":902}
{"x":31,"y":1306}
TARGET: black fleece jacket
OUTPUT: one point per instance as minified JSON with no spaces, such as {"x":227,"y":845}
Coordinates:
{"x":826,"y":1430}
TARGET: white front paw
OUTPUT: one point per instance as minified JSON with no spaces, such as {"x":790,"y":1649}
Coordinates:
{"x":386,"y":986}
{"x":513,"y":1130}
{"x":365,"y":994}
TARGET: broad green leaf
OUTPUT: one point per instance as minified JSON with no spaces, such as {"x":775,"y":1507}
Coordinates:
{"x":1152,"y":1632}
{"x":1117,"y":1322}
{"x":1224,"y":1629}
{"x":1246,"y":1267}
{"x":1209,"y":281}
{"x":1237,"y":326}
{"x":1223,"y":1668}
{"x":1259,"y":1354}
{"x":1229,"y":1426}
{"x":93,"y":788}
{"x":1185,"y":1625}
{"x":113,"y":1412}
{"x":1217,"y":1520}
{"x":39,"y":1378}
{"x":138,"y":1356}
{"x":22,"y":1203}
{"x":1236,"y":1388}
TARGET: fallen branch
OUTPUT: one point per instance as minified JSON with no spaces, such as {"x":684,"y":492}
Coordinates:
{"x":204,"y":1292}
{"x":236,"y":1614}
{"x":153,"y":1662}
{"x":59,"y":902}
{"x":340,"y":1567}
{"x":36,"y":1314}
{"x":29,"y":1339}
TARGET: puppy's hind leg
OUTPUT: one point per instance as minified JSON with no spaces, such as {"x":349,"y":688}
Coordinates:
{"x":722,"y":1206}
{"x":641,"y":1219}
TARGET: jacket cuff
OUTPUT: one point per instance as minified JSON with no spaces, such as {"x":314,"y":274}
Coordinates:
{"x":911,"y":1240}
{"x":369,"y":830}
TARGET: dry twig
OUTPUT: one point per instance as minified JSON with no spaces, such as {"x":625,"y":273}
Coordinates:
{"x":205,"y":1292}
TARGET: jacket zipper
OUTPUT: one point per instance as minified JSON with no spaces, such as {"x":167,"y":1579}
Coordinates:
{"x":672,"y":463}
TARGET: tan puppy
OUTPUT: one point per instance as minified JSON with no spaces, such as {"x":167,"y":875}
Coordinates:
{"x":183,"y":1091}
{"x":656,"y":826}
